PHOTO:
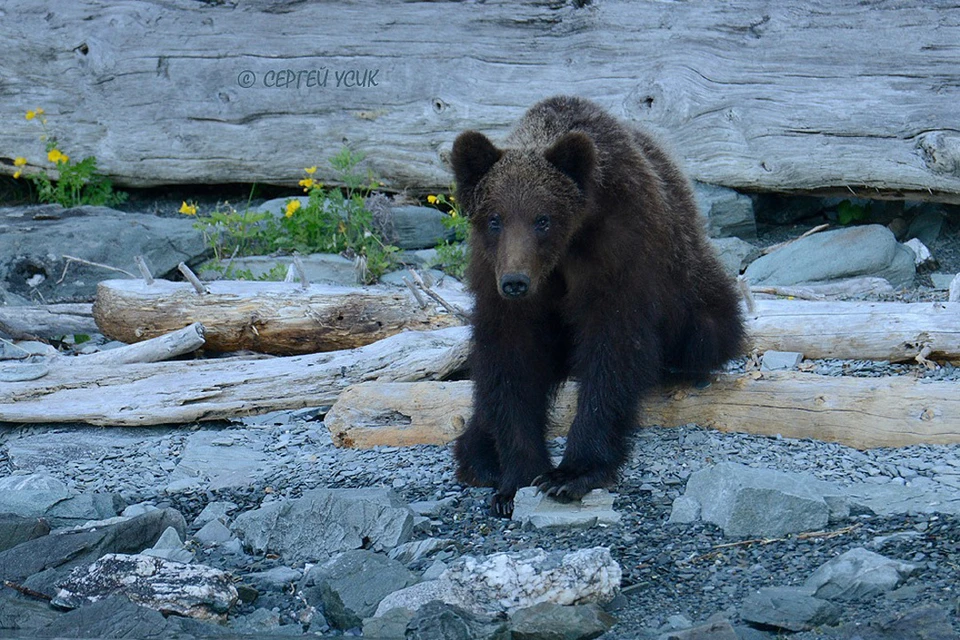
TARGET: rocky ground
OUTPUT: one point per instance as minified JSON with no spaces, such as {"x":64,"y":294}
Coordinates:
{"x":680,"y":572}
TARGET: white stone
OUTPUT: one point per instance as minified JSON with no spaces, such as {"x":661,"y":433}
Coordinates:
{"x":921,"y":253}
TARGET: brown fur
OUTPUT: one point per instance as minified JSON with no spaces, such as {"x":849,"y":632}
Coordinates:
{"x":587,"y":257}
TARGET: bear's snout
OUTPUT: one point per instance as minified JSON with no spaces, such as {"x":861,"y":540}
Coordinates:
{"x":514,"y":285}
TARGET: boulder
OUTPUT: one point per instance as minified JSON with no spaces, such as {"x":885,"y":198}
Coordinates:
{"x":735,"y":254}
{"x":869,"y":250}
{"x":195,"y":591}
{"x":34,"y":239}
{"x":531,"y":506}
{"x":439,"y":620}
{"x":549,"y":621}
{"x":726,"y":212}
{"x":349,"y":587}
{"x":790,"y":608}
{"x":15,"y":529}
{"x":326,"y":521}
{"x":857,"y":574}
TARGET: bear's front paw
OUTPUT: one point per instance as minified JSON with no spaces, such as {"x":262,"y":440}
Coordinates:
{"x":501,"y":505}
{"x":564,"y":485}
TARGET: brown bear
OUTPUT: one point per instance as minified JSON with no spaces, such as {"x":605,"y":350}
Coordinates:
{"x":587,"y":259}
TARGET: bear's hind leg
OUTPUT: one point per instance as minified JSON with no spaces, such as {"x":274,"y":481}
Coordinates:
{"x":475,"y":451}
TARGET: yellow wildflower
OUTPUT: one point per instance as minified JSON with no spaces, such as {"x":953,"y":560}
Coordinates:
{"x":40,"y":111}
{"x":452,"y":199}
{"x":31,"y":115}
{"x":311,"y":170}
{"x":342,"y":228}
{"x":188,"y":209}
{"x":306,"y":183}
{"x":57,"y":157}
{"x":16,"y":174}
{"x":292,"y":207}
{"x":19,"y":161}
{"x":432,"y":199}
{"x":453,"y":213}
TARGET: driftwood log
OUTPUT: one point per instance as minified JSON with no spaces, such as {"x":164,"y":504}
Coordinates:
{"x":731,"y":85}
{"x":857,"y":412}
{"x":220,"y":389}
{"x":268,"y":317}
{"x":890,"y":331}
{"x":47,"y":321}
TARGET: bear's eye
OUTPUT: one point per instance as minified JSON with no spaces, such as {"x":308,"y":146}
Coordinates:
{"x":542,"y":223}
{"x":493,"y":223}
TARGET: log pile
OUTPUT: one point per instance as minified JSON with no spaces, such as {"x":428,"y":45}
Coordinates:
{"x":397,"y":390}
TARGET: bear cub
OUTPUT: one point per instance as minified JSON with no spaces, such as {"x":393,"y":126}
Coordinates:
{"x":587,"y":259}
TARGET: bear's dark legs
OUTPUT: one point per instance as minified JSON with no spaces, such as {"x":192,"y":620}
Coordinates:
{"x":713,"y":335}
{"x":612,"y":379}
{"x":515,"y":373}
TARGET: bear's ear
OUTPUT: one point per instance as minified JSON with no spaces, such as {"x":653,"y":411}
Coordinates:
{"x":472,"y":157}
{"x":576,"y":156}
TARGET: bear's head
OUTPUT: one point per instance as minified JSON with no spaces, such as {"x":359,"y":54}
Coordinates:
{"x":525,"y":206}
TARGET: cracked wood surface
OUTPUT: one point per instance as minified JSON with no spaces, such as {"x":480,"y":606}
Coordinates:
{"x":857,"y":412}
{"x":812,"y":95}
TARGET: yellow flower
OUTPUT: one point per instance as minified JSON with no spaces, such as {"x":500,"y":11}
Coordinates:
{"x":453,"y":213}
{"x":432,"y":199}
{"x":342,"y":228}
{"x":452,"y":199}
{"x":19,"y":161}
{"x":31,"y":115}
{"x":306,"y":183}
{"x":188,"y":209}
{"x":311,"y":170}
{"x":57,"y":157}
{"x":292,"y":207}
{"x":40,"y":111}
{"x":16,"y":174}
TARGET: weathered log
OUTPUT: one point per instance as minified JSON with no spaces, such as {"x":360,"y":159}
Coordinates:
{"x":47,"y":321}
{"x":731,"y":84}
{"x":268,"y":317}
{"x":857,"y":412}
{"x":176,"y":392}
{"x":164,"y":347}
{"x":890,"y":331}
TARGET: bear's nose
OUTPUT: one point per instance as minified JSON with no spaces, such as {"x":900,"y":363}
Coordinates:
{"x":514,"y":285}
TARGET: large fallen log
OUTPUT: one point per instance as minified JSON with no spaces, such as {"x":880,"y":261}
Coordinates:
{"x":890,"y":331}
{"x":220,"y":389}
{"x":204,"y":83}
{"x":47,"y":321}
{"x":858,"y":412}
{"x":269,"y":317}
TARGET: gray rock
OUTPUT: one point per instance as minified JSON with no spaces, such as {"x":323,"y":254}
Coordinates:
{"x":15,"y":529}
{"x":414,"y":597}
{"x":921,"y":254}
{"x":390,"y":626}
{"x":32,"y":495}
{"x":927,"y":622}
{"x":217,"y":510}
{"x":213,"y":533}
{"x":62,"y":448}
{"x":349,"y":587}
{"x":84,"y":508}
{"x":758,"y":502}
{"x":719,"y":630}
{"x":531,"y":506}
{"x":74,"y":548}
{"x":417,"y":550}
{"x":685,"y":510}
{"x":549,"y":621}
{"x":278,"y":577}
{"x":212,"y":461}
{"x":790,"y":608}
{"x":416,"y":227}
{"x":941,"y":281}
{"x":170,"y":547}
{"x":926,"y":226}
{"x":856,"y":575}
{"x":780,"y":360}
{"x":114,"y":617}
{"x":727,"y":212}
{"x":32,"y":248}
{"x":891,"y":499}
{"x":326,"y":521}
{"x":278,"y":206}
{"x":735,"y":254}
{"x":869,"y":250}
{"x":432,"y":508}
{"x":437,"y":620}
{"x":194,"y":591}
{"x":264,"y":621}
{"x":23,"y":614}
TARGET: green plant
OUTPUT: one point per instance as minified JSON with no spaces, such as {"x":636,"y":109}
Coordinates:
{"x":452,"y":254}
{"x":78,"y":183}
{"x":848,"y":212}
{"x":333,"y":220}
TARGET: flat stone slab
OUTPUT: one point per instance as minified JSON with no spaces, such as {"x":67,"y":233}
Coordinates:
{"x":596,"y":508}
{"x":858,"y":574}
{"x":790,"y":608}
